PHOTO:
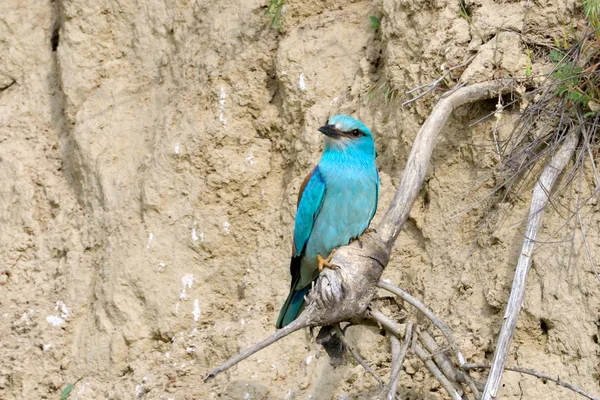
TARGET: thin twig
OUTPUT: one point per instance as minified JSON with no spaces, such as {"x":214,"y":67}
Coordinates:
{"x":446,"y":365}
{"x":398,"y":354}
{"x":279,"y":334}
{"x":432,"y":85}
{"x":3,"y":88}
{"x":587,"y":146}
{"x":428,"y":313}
{"x":540,"y":375}
{"x":355,"y":354}
{"x":394,"y":328}
{"x":538,"y":203}
{"x":430,"y":365}
{"x":587,"y":139}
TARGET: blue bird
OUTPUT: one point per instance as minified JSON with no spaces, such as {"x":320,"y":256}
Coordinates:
{"x":336,"y":203}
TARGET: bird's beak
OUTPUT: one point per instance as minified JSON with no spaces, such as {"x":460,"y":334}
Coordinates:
{"x":331,"y":131}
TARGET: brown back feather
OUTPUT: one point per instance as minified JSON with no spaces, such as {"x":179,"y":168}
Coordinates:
{"x":300,"y":193}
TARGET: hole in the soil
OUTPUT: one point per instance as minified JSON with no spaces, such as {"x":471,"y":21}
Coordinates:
{"x":595,"y":338}
{"x":544,"y":326}
{"x":488,"y":353}
{"x":55,"y":37}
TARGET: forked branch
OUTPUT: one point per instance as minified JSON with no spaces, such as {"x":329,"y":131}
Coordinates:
{"x":344,"y":294}
{"x":539,"y":201}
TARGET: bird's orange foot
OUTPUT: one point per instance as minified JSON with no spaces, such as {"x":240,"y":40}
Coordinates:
{"x":325,"y":262}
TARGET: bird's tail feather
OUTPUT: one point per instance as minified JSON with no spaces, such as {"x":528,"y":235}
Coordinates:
{"x":292,"y":306}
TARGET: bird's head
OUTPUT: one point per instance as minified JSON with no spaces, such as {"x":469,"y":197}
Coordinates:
{"x":343,"y":132}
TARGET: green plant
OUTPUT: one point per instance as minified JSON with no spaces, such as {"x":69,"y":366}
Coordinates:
{"x":591,"y":8}
{"x":566,"y":102}
{"x":274,"y":9}
{"x":578,"y":84}
{"x":375,"y":22}
{"x":66,"y":392}
{"x":529,"y":64}
{"x":562,"y":42}
{"x":464,"y":10}
{"x":382,"y":94}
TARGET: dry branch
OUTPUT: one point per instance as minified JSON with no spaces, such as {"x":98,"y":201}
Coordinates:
{"x":398,"y":354}
{"x":345,"y":293}
{"x":390,"y":390}
{"x":540,"y":375}
{"x":541,"y":196}
{"x":428,"y":313}
{"x":434,"y":84}
{"x":433,"y":368}
{"x":281,"y":333}
{"x":435,"y":371}
{"x":446,"y":366}
{"x":418,"y":161}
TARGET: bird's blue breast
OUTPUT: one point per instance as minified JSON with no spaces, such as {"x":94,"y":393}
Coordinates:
{"x":349,"y":203}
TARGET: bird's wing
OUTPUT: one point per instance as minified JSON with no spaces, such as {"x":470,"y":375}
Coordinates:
{"x":376,"y":197}
{"x":310,"y":200}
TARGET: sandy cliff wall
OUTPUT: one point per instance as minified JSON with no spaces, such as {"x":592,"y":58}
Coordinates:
{"x":150,"y":155}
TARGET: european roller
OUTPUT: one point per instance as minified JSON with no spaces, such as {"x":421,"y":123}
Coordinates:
{"x":336,"y":203}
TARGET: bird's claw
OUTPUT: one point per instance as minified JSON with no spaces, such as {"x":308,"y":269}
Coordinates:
{"x":367,"y":231}
{"x":325,"y":262}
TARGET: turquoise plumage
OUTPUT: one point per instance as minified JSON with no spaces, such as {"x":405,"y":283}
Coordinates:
{"x":336,"y":203}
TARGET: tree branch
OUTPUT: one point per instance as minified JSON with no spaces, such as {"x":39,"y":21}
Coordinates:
{"x":398,"y":354}
{"x":345,"y":293}
{"x":298,"y":324}
{"x":418,"y":161}
{"x":394,"y":329}
{"x":428,"y":313}
{"x":541,"y":195}
{"x":435,"y":371}
{"x":540,"y":375}
{"x":446,"y":366}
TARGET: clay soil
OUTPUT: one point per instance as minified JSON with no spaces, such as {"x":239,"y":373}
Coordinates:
{"x":150,"y":157}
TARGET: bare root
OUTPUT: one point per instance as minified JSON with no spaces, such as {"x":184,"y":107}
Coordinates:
{"x":541,"y":196}
{"x":539,"y":375}
{"x":398,"y":353}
